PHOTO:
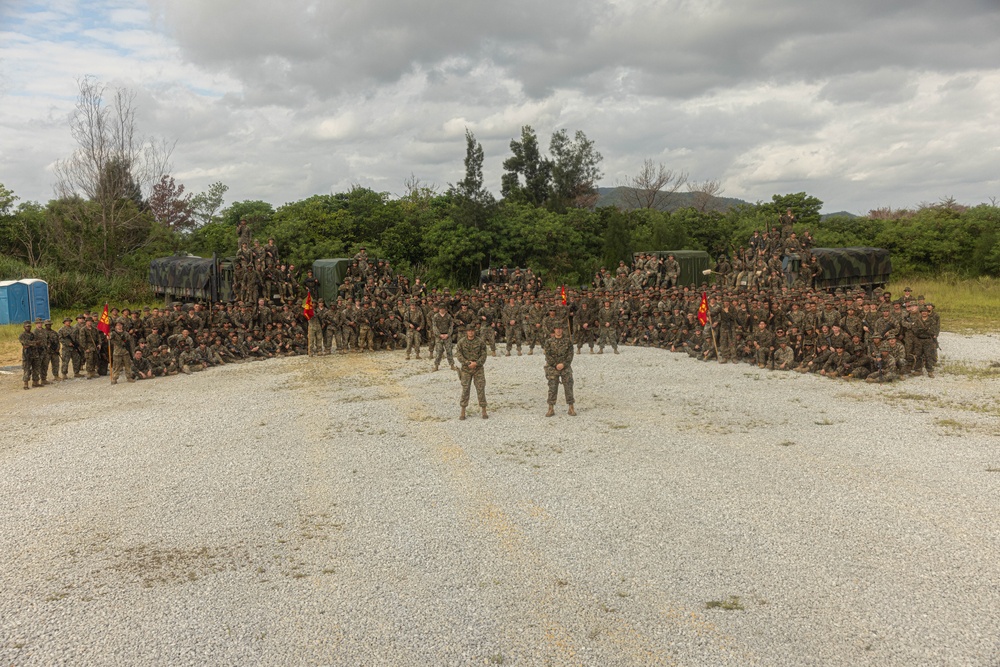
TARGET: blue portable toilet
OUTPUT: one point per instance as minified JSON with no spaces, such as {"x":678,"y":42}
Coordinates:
{"x":38,"y":298}
{"x":14,"y":307}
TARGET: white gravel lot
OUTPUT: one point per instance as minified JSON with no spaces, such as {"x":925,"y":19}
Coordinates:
{"x":334,"y":511}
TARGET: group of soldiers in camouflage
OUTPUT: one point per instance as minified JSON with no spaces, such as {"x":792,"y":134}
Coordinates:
{"x":771,"y":325}
{"x":258,"y":271}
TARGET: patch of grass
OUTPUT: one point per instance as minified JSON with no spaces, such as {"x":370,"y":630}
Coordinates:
{"x":732,"y":603}
{"x":824,"y":422}
{"x":970,"y":371}
{"x":950,"y":423}
{"x":786,"y":443}
{"x":965,"y":305}
{"x":993,"y":470}
{"x":495,"y":659}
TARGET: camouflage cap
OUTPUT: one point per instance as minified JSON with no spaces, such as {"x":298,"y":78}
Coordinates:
{"x":27,"y":323}
{"x":67,"y":319}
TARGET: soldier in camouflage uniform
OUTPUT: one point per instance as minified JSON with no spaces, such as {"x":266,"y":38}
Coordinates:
{"x":512,"y":325}
{"x":414,"y":322}
{"x":67,"y":338}
{"x":41,"y":358}
{"x":121,"y":358}
{"x":471,"y":355}
{"x":52,"y":343}
{"x":30,"y":346}
{"x":558,"y":367}
{"x":441,"y":330}
{"x":607,"y":320}
{"x":925,"y":333}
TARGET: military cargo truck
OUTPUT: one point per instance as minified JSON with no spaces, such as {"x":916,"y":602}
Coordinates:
{"x":191,"y":278}
{"x":848,"y":267}
{"x":330,"y":273}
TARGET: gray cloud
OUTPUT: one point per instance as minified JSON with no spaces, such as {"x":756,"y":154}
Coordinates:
{"x":859,"y":103}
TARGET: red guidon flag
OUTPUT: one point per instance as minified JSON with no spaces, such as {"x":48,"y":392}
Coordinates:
{"x":703,"y":309}
{"x":564,"y":295}
{"x":307,"y":306}
{"x":104,"y":324}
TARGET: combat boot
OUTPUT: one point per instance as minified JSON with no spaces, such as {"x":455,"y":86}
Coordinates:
{"x":485,"y":416}
{"x":616,"y":350}
{"x":78,"y":374}
{"x":600,"y":351}
{"x":531,"y":351}
{"x":551,"y":412}
{"x":45,"y":383}
{"x":35,"y":383}
{"x":461,"y":415}
{"x":571,"y":412}
{"x":26,"y":385}
{"x":508,"y":353}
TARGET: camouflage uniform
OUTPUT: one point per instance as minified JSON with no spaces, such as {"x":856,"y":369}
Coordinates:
{"x":559,"y":351}
{"x":52,"y":342}
{"x":30,"y":346}
{"x":441,"y":330}
{"x":607,"y":319}
{"x":472,"y":350}
{"x":67,"y":337}
{"x":41,"y":358}
{"x":512,"y":326}
{"x":121,"y":359}
{"x":414,"y":322}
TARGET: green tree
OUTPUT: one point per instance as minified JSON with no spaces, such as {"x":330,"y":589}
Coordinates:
{"x":112,"y":166}
{"x":617,"y":244}
{"x":258,"y":215}
{"x":207,"y":204}
{"x":528,"y":165}
{"x":576,"y":168}
{"x":805,"y":207}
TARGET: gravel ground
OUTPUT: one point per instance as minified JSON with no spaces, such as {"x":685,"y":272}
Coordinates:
{"x":334,"y":511}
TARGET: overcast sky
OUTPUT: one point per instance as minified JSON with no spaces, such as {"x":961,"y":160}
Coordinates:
{"x":861,"y":103}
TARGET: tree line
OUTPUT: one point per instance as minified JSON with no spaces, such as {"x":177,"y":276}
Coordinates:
{"x":117,"y":207}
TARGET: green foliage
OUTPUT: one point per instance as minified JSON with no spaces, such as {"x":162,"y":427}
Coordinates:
{"x":576,"y":168}
{"x":215,"y":237}
{"x":206,"y":205}
{"x":658,"y":230}
{"x":617,"y":242}
{"x":74,"y":289}
{"x":805,"y":207}
{"x":311,"y":229}
{"x":526,"y":163}
{"x":257,"y":214}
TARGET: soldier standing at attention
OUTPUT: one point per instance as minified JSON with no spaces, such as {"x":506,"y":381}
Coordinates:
{"x":121,"y":358}
{"x":441,"y":328}
{"x":558,"y":366}
{"x":30,"y":347}
{"x":471,"y":354}
{"x":67,"y":337}
{"x":52,"y":342}
{"x":414,"y":322}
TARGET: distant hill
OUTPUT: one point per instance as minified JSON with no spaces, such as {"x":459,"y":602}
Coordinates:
{"x":838,"y":214}
{"x":678,"y":200}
